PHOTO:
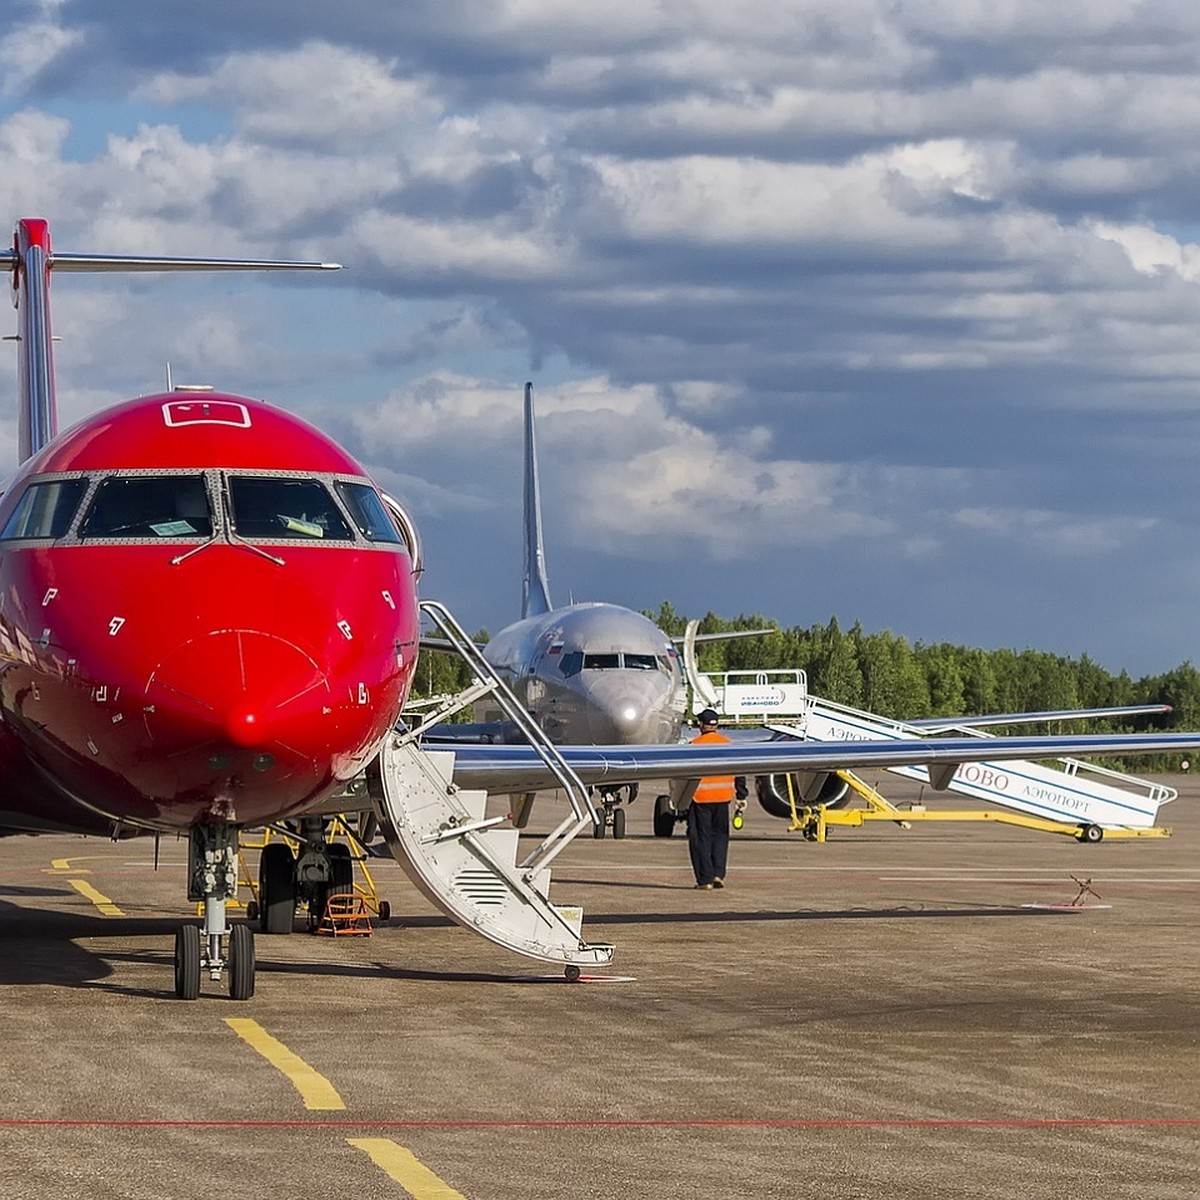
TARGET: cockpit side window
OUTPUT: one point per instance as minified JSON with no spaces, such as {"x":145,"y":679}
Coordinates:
{"x":149,"y":506}
{"x":45,"y":510}
{"x":285,"y":510}
{"x":571,"y":663}
{"x":368,"y":512}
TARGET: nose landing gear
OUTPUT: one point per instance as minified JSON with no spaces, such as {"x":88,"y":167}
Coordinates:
{"x":212,"y":880}
{"x":610,"y":813}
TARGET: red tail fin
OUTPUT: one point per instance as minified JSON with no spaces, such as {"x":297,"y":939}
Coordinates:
{"x":38,"y":413}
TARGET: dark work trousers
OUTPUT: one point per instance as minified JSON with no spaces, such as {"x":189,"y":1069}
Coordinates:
{"x":708,"y":839}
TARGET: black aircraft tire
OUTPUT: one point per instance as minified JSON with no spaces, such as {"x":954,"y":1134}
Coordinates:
{"x":598,"y":827}
{"x":664,"y":818}
{"x":771,"y":791}
{"x":618,"y":822}
{"x":187,"y":962}
{"x":341,"y":868}
{"x":241,"y":962}
{"x":276,"y":888}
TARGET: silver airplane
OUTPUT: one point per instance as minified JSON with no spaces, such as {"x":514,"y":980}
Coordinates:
{"x":590,"y":674}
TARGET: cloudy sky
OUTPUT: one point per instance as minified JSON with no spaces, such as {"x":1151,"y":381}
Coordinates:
{"x":888,"y":310}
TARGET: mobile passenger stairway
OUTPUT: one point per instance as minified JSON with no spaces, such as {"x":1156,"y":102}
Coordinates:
{"x":465,"y":862}
{"x":1069,"y":796}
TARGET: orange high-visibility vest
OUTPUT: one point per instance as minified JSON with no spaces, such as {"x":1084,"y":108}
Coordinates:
{"x":713,"y":789}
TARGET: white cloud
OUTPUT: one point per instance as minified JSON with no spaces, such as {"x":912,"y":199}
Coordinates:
{"x":1151,"y":251}
{"x":318,"y":93}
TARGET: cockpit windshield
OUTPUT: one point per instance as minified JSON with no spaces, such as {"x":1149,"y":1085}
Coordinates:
{"x":183,"y":506}
{"x":601,"y":662}
{"x":149,"y":506}
{"x":641,"y":662}
{"x":285,"y":509}
{"x":575,"y":661}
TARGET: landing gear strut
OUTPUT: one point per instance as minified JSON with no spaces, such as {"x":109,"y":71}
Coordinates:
{"x":610,"y":814}
{"x":212,"y":880}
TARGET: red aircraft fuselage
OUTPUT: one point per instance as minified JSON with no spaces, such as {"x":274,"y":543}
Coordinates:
{"x":206,"y":614}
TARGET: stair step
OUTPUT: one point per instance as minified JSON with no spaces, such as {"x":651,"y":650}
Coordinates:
{"x":465,"y":864}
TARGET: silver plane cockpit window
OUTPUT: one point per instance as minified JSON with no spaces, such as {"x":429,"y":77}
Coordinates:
{"x":276,"y":509}
{"x":45,"y":510}
{"x":149,"y":506}
{"x":641,"y":662}
{"x":368,"y":512}
{"x":601,"y":662}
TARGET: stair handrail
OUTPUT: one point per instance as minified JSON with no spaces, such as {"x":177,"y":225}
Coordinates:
{"x":487,"y":679}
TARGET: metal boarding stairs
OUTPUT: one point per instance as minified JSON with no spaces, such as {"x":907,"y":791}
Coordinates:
{"x":1068,"y":790}
{"x":464,"y":862}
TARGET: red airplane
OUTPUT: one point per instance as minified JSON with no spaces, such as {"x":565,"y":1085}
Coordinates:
{"x":209,"y":621}
{"x":208,"y":618}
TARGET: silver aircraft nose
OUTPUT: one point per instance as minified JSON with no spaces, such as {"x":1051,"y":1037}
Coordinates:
{"x":631,"y":708}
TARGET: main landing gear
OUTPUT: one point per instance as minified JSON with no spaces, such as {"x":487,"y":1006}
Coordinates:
{"x":610,"y":814}
{"x":286,"y":879}
{"x":212,"y":880}
{"x":665,"y":816}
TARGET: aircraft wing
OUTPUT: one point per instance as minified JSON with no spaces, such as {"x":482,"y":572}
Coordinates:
{"x":519,"y":769}
{"x":947,"y":724}
{"x":728,"y":636}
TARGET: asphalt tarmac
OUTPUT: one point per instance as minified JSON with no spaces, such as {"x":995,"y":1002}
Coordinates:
{"x":918,"y":1013}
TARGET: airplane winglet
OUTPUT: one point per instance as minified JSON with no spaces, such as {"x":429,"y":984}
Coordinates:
{"x":535,"y":592}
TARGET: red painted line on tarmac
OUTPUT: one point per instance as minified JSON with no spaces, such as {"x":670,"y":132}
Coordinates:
{"x":649,"y":1123}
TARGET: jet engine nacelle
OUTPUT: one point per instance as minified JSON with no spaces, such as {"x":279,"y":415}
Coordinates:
{"x":821,"y":787}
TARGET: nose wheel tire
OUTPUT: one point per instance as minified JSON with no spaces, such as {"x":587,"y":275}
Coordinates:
{"x":187,"y":962}
{"x":618,"y":822}
{"x":598,"y":827}
{"x":241,"y":962}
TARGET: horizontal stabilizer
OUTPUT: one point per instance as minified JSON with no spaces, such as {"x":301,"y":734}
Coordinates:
{"x":127,"y":262}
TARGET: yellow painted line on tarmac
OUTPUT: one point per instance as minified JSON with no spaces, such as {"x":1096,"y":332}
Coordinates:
{"x":99,"y":899}
{"x":406,"y":1169}
{"x":315,"y":1090}
{"x":59,"y":865}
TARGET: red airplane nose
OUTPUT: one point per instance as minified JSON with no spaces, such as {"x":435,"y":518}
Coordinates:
{"x":247,"y":727}
{"x":245,"y":682}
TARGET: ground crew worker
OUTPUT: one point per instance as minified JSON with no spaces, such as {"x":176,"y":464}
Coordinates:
{"x":708,"y":814}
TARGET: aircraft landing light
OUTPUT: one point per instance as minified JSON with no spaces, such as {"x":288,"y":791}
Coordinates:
{"x":315,"y":1090}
